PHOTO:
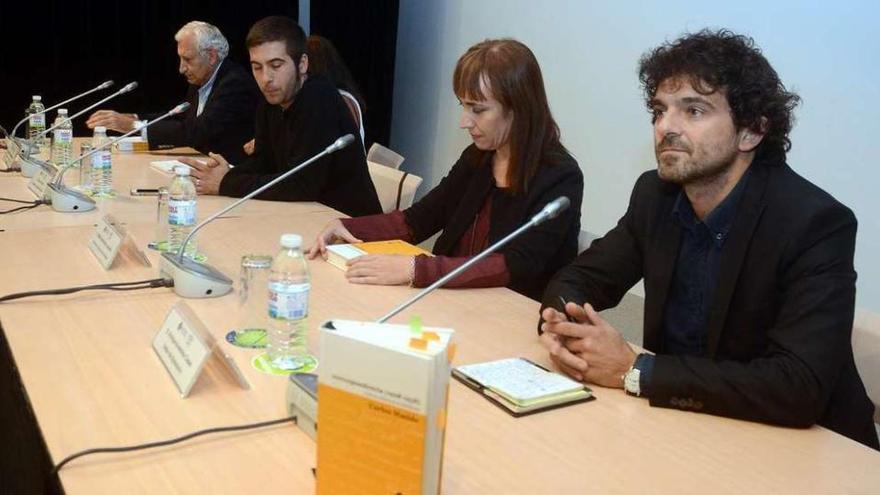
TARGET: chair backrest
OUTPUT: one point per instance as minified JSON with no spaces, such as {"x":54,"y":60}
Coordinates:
{"x":585,"y":239}
{"x":396,"y":189}
{"x":866,"y":351}
{"x":355,"y":108}
{"x":384,"y":156}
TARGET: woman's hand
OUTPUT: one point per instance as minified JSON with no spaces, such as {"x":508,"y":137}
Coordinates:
{"x":380,"y":269}
{"x":333,"y":233}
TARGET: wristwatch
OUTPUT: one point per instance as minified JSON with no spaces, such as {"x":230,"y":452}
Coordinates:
{"x":631,"y":380}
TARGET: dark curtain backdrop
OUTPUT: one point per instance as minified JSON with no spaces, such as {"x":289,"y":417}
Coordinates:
{"x":58,"y":49}
{"x":365,"y":33}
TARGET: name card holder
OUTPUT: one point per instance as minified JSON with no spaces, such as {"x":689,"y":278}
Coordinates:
{"x":39,"y":183}
{"x":184,"y":345}
{"x":9,"y":156}
{"x":109,"y":238}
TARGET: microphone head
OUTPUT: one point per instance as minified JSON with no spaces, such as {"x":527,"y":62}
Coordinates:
{"x":551,"y":210}
{"x":179,"y":108}
{"x":128,"y":87}
{"x":557,"y":206}
{"x":340,"y":143}
{"x":106,"y":84}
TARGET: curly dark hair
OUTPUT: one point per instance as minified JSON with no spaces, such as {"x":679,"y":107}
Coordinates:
{"x":713,"y":60}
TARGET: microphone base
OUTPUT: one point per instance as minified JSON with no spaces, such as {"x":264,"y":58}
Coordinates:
{"x":194,"y":280}
{"x":66,"y":200}
{"x":31,"y":166}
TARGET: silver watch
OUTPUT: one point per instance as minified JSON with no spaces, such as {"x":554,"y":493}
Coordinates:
{"x":631,"y":381}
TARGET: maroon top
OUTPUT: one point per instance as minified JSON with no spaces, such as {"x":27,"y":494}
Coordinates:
{"x":490,"y":272}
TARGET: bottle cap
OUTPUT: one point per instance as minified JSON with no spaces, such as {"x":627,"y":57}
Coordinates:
{"x":182,"y":171}
{"x":62,"y":111}
{"x":37,"y":97}
{"x":291,"y":241}
{"x":100,"y":128}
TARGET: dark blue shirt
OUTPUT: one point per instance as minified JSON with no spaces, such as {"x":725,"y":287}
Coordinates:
{"x":693,"y":285}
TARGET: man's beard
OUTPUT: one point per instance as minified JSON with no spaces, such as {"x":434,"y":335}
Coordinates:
{"x":687,"y":168}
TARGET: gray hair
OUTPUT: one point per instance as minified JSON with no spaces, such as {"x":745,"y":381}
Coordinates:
{"x":207,"y":36}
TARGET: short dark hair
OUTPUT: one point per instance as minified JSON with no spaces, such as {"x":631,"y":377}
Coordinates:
{"x":512,"y":74}
{"x":278,"y":28}
{"x":713,"y":60}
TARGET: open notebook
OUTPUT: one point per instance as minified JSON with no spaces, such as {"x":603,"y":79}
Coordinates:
{"x":520,"y":386}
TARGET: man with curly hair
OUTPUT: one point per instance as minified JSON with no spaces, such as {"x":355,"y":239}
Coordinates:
{"x":748,"y":267}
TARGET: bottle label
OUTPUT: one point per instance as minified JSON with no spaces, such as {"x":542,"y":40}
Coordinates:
{"x":181,"y":212}
{"x":288,"y":301}
{"x":64,"y":136}
{"x":101,"y":160}
{"x":38,"y":120}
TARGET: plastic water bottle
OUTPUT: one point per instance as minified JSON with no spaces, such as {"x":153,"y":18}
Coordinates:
{"x":62,"y":139}
{"x":102,"y":165}
{"x":181,"y":211}
{"x":288,"y":305}
{"x":36,"y":121}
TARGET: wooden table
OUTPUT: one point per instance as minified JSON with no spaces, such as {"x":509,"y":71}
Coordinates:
{"x":91,"y":376}
{"x":130,"y":170}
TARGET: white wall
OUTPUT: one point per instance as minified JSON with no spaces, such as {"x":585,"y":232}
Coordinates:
{"x":589,"y":50}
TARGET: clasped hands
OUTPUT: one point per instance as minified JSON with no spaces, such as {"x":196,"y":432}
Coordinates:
{"x":587,"y":349}
{"x":207,"y":173}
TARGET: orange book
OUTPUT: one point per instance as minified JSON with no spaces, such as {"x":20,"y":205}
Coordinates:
{"x":382,"y":395}
{"x":339,"y":254}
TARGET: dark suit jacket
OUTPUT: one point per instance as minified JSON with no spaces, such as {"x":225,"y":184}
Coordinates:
{"x":533,"y":257}
{"x":226,"y":122}
{"x":779,"y":328}
{"x":284,"y":139}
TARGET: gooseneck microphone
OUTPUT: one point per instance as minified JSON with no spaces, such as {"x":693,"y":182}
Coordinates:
{"x":19,"y":157}
{"x":30,"y":167}
{"x":65,"y":199}
{"x":550,"y":210}
{"x":103,"y":85}
{"x":196,"y":280}
{"x":125,"y":89}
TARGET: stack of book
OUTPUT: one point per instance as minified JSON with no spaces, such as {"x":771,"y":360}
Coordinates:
{"x":339,"y":255}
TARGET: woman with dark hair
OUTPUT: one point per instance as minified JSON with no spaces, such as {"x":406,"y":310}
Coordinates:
{"x":325,"y":61}
{"x":515,"y":166}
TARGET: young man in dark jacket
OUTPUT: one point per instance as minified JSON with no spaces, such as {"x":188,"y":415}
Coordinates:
{"x":301,"y":116}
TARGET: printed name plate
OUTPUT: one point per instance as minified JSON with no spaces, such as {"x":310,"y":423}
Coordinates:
{"x":181,"y":347}
{"x":39,"y":183}
{"x":9,"y":157}
{"x":184,"y":346}
{"x":106,"y":240}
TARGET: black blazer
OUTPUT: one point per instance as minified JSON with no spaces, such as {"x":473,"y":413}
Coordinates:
{"x":534,"y":256}
{"x":316,"y":118}
{"x":226,"y":122}
{"x":779,"y":329}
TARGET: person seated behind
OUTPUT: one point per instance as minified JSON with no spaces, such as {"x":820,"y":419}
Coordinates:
{"x":301,"y":116}
{"x":325,"y":61}
{"x":748,"y":267}
{"x":515,"y":166}
{"x":222,"y":97}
